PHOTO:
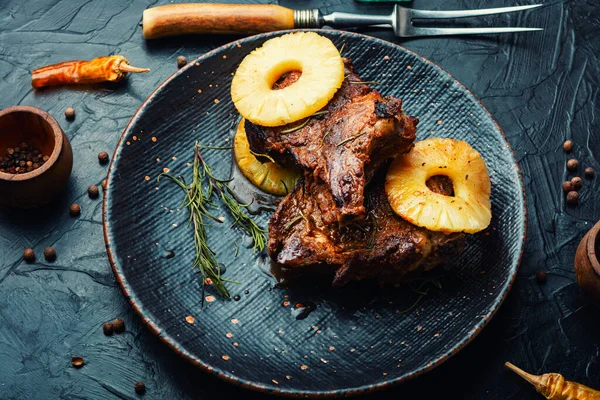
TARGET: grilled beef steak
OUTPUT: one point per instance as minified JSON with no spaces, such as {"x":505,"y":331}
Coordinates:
{"x":382,"y":246}
{"x":357,"y":132}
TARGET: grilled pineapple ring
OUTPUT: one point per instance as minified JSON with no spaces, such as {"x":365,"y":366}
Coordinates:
{"x":322,"y":75}
{"x":469,"y":210}
{"x":270,"y":177}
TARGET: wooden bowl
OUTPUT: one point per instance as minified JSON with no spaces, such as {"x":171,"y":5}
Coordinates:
{"x":37,"y":128}
{"x":587,"y":266}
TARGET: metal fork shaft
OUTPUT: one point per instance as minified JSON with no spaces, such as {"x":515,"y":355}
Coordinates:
{"x":431,"y":14}
{"x":465,"y":31}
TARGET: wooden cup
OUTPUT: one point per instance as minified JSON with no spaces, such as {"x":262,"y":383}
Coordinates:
{"x":37,"y":128}
{"x":587,"y":266}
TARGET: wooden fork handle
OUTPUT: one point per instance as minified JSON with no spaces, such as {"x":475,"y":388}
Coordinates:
{"x":181,"y":19}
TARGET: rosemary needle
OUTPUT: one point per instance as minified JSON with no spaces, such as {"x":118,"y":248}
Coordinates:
{"x":350,"y":139}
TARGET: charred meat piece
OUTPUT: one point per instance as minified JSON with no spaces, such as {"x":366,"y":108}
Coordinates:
{"x":342,"y":147}
{"x":382,"y":246}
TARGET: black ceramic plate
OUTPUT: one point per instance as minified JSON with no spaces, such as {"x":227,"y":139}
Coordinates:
{"x":355,"y":340}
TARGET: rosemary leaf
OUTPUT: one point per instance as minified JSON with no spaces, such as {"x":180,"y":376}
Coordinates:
{"x":268,"y":157}
{"x":293,"y":222}
{"x":216,"y":147}
{"x":364,"y":82}
{"x":295,"y":128}
{"x":351,"y":139}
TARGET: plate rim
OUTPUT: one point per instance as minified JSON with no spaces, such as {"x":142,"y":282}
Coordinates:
{"x":225,"y":375}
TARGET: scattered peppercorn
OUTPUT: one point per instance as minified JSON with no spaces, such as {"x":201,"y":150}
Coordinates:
{"x":103,"y":157}
{"x":171,"y":254}
{"x":70,"y":113}
{"x":589,"y":172}
{"x":572,"y":164}
{"x":93,"y":191}
{"x":50,"y":254}
{"x":577,"y":183}
{"x":29,"y":255}
{"x":21,"y":159}
{"x":181,"y":61}
{"x":573,"y":197}
{"x":246,"y":291}
{"x":77,"y":361}
{"x":104,"y":184}
{"x":222,"y":269}
{"x":74,"y":210}
{"x":108,"y":328}
{"x":236,"y":297}
{"x":140,"y":387}
{"x":567,"y":186}
{"x":118,"y":325}
{"x":541,"y":276}
{"x":568,"y":146}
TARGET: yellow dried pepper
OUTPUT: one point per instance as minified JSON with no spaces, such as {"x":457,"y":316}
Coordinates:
{"x":554,"y":386}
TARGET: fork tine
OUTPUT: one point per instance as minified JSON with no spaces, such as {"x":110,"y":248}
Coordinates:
{"x":464,"y":31}
{"x":427,"y":14}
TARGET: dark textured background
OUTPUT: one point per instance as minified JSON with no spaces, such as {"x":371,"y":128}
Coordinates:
{"x":541,"y":87}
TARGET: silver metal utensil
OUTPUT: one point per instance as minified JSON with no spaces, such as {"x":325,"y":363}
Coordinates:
{"x":179,"y":19}
{"x":401,"y":20}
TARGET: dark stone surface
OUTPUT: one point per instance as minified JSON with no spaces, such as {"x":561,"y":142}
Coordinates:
{"x":541,"y":87}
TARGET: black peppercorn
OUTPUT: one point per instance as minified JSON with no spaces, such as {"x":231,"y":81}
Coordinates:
{"x":246,"y":292}
{"x":577,"y":183}
{"x":77,"y":361}
{"x":140,"y":387}
{"x":19,"y":159}
{"x":541,"y":276}
{"x":103,"y":157}
{"x":108,"y":328}
{"x":74,"y":210}
{"x":70,"y":113}
{"x":29,"y":255}
{"x":118,"y":325}
{"x":573,"y":197}
{"x":236,"y":297}
{"x":589,"y":172}
{"x":572,"y":164}
{"x":568,"y":146}
{"x":181,"y":61}
{"x":567,"y":186}
{"x":50,"y":254}
{"x":93,"y":191}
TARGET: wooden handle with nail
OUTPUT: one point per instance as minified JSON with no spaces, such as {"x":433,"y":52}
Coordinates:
{"x":182,"y":19}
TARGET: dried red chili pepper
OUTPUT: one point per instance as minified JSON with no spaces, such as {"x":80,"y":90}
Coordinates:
{"x":100,"y":69}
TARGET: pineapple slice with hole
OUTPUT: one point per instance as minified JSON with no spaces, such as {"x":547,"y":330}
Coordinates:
{"x":322,"y":75}
{"x":469,"y":210}
{"x":267,"y":176}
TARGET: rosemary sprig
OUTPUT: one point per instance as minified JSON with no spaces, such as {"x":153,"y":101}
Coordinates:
{"x":351,"y":139}
{"x":199,"y":201}
{"x":242,"y":219}
{"x":342,"y":48}
{"x":422,"y":293}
